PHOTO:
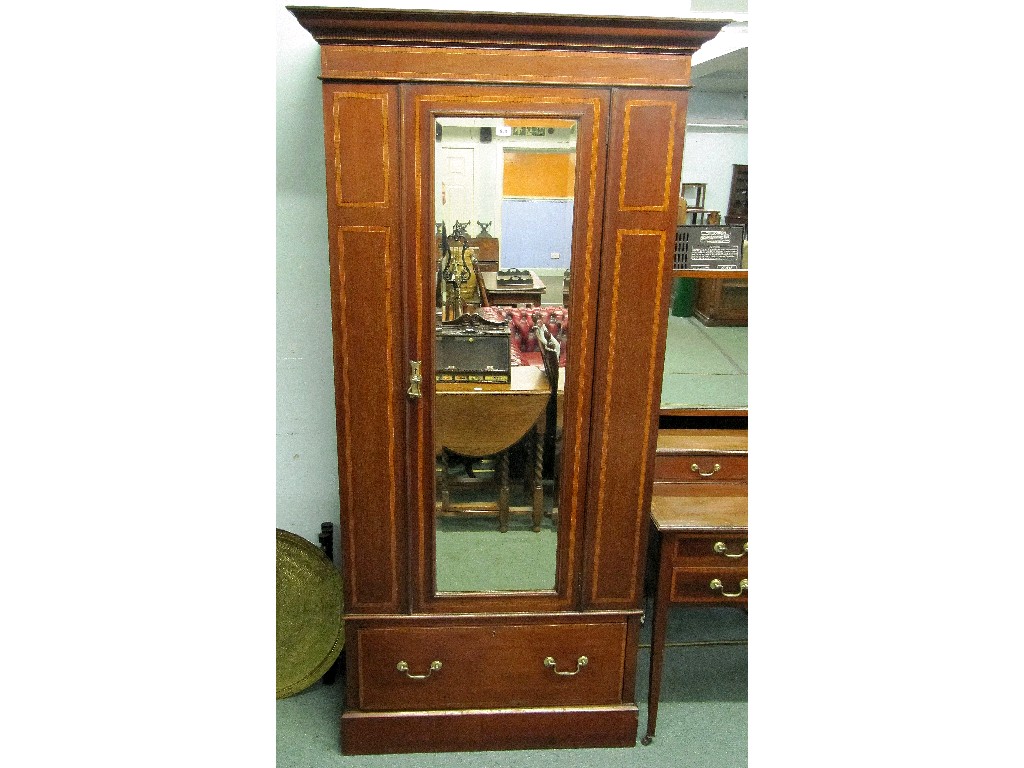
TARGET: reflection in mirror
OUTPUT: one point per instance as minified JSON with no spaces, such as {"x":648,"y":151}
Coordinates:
{"x":503,"y":210}
{"x":706,"y":346}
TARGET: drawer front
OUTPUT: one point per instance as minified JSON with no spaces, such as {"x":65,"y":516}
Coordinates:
{"x":486,"y":666}
{"x":725,"y":586}
{"x":714,"y":551}
{"x":700,"y":468}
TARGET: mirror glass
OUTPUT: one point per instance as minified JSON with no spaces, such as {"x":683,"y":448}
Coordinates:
{"x":503,"y":211}
{"x":706,"y":347}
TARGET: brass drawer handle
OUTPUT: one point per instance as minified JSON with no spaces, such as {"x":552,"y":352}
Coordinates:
{"x":717,"y":584}
{"x":581,"y":662}
{"x":721,"y":548}
{"x":403,"y":666}
{"x":714,"y":469}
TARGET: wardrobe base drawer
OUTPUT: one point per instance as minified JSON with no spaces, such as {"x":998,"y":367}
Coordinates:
{"x":489,"y":666}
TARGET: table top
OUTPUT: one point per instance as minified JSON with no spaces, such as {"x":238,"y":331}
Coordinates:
{"x":671,"y":441}
{"x":525,"y":379}
{"x":694,"y":510}
{"x":484,"y":420}
{"x":491,"y":284}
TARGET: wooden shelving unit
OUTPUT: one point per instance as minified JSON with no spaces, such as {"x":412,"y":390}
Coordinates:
{"x":736,"y":213}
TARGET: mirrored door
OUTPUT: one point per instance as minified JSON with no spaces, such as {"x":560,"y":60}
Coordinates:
{"x":505,"y":185}
{"x":509,"y":240}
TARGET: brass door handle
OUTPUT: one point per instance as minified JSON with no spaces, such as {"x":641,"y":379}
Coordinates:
{"x":415,"y":380}
{"x":403,"y":666}
{"x":715,"y":468}
{"x":721,"y":548}
{"x":717,"y":584}
{"x":581,"y":662}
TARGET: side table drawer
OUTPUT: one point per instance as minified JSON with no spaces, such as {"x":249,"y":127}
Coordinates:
{"x":485,"y":666}
{"x":722,"y":549}
{"x":709,"y":585}
{"x":700,"y":468}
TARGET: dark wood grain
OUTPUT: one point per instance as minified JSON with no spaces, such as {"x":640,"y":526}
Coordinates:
{"x":490,"y":666}
{"x":361,"y":152}
{"x":639,"y":225}
{"x":374,"y":733}
{"x":476,"y":29}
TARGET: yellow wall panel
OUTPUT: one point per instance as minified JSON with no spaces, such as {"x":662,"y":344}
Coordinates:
{"x":540,"y":174}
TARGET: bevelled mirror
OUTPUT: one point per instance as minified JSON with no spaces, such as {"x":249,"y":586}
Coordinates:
{"x":504,"y":196}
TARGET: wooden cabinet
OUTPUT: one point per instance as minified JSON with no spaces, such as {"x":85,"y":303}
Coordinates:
{"x":721,"y":301}
{"x":488,"y":249}
{"x":431,"y":667}
{"x":702,"y":560}
{"x":699,"y":512}
{"x":737,"y":210}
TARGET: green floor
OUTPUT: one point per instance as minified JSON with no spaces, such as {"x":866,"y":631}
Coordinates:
{"x":473,"y":556}
{"x":705,"y":367}
{"x":702,"y":718}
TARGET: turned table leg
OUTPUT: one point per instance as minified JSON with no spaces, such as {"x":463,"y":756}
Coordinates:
{"x":503,"y":492}
{"x":538,"y":478}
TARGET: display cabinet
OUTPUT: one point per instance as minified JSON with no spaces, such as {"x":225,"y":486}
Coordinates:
{"x":737,"y":210}
{"x":460,"y":635}
{"x":721,"y":301}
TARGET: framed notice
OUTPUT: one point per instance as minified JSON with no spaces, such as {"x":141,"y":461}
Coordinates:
{"x":700,"y":247}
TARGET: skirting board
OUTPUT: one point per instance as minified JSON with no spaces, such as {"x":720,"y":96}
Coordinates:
{"x":374,"y":733}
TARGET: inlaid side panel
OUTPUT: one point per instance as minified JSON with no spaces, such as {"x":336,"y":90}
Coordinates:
{"x":643,"y":170}
{"x":362,"y":169}
{"x":362,"y":160}
{"x":646,"y":184}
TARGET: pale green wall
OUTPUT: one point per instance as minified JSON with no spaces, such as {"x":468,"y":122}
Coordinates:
{"x":307,"y":464}
{"x":708,"y":156}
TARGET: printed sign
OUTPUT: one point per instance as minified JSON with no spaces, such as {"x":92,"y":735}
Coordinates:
{"x":700,"y":247}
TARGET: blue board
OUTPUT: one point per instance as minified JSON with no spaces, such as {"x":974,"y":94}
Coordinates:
{"x":534,"y":228}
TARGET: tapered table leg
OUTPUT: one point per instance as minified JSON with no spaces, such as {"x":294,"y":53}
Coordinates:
{"x":659,"y":625}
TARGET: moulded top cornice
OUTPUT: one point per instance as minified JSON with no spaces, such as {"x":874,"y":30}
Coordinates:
{"x":460,"y":29}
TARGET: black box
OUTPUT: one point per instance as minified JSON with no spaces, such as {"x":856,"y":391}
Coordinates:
{"x":473,"y":349}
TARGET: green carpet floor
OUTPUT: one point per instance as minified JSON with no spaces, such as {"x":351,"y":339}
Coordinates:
{"x":705,"y":367}
{"x":473,"y":556}
{"x":702,"y":717}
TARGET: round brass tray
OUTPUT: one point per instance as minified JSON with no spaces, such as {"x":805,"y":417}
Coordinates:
{"x":310,"y":630}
